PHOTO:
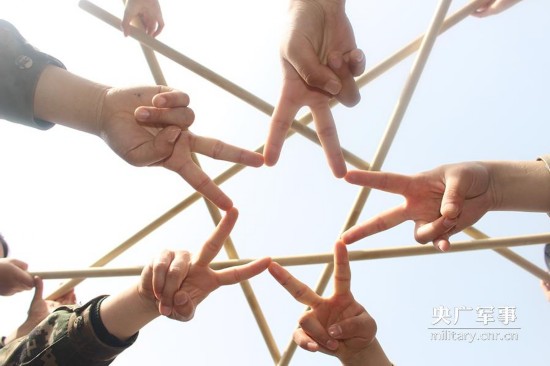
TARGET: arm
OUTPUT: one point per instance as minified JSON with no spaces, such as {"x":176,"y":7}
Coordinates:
{"x":320,"y":59}
{"x":144,"y":125}
{"x":447,"y":199}
{"x":338,"y":325}
{"x":174,"y":285}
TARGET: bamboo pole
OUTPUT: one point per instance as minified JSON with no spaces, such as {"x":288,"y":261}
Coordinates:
{"x":413,"y":46}
{"x":209,"y":75}
{"x":511,"y":255}
{"x":322,"y":258}
{"x":393,"y":125}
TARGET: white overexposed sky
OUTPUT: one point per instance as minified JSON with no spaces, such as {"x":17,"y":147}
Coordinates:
{"x":67,"y":199}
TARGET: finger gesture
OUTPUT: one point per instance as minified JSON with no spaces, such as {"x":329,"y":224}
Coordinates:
{"x":148,"y":126}
{"x":337,"y":325}
{"x":441,"y":201}
{"x":319,"y":59}
{"x":179,"y":284}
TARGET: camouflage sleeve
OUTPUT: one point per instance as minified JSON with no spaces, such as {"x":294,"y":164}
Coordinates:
{"x":65,"y":338}
{"x":20,"y":67}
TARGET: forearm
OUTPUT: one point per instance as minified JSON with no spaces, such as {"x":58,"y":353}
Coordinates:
{"x":123,"y":315}
{"x":373,"y":355}
{"x":520,"y":185}
{"x":67,"y":99}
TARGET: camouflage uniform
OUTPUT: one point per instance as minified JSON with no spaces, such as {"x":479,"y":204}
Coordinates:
{"x":69,"y":336}
{"x":20,"y":67}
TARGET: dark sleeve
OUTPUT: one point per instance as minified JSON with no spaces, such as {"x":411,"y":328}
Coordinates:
{"x":66,"y":337}
{"x":20,"y":67}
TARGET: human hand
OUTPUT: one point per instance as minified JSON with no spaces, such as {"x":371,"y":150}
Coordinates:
{"x":319,"y":60}
{"x":41,"y":308}
{"x":148,"y":12}
{"x":441,"y":202}
{"x":492,"y":7}
{"x":178,"y":285}
{"x":14,"y":277}
{"x":337,"y":325}
{"x":147,"y":126}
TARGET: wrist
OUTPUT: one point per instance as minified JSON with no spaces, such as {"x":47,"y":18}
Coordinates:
{"x":373,"y":355}
{"x":69,"y":100}
{"x":520,"y":186}
{"x":125,"y":314}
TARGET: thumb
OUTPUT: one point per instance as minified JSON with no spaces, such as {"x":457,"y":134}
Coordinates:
{"x":38,"y":289}
{"x":184,"y":308}
{"x":454,"y":195}
{"x":313,"y":72}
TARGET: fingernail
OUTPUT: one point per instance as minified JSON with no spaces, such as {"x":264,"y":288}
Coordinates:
{"x":332,"y":87}
{"x":335,"y":62}
{"x":181,"y":300}
{"x":173,"y":136}
{"x":165,"y":310}
{"x":334,"y":330}
{"x":160,"y":101}
{"x":142,"y":114}
{"x":332,"y":344}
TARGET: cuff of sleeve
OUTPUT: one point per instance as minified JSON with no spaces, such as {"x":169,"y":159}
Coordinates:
{"x":83,"y":335}
{"x":21,"y":65}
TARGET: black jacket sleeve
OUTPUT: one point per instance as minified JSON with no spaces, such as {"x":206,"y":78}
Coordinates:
{"x":20,"y":67}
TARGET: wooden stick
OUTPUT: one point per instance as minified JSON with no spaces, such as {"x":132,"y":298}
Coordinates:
{"x":253,"y":302}
{"x":209,"y":75}
{"x":511,"y":255}
{"x":321,"y":258}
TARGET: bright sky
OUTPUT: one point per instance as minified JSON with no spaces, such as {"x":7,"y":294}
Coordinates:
{"x":67,"y":199}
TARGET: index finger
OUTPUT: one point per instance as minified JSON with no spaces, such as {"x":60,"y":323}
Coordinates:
{"x":381,"y":222}
{"x":212,"y":246}
{"x":383,"y":181}
{"x":281,"y":120}
{"x":328,"y":136}
{"x":342,"y":271}
{"x":297,"y":289}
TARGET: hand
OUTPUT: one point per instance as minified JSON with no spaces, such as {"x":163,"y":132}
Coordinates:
{"x":14,"y":277}
{"x":319,"y":60}
{"x":492,"y":7}
{"x":148,"y":12}
{"x":148,"y":126}
{"x":441,"y":202}
{"x":179,"y":285}
{"x":337,"y":325}
{"x":40,"y":308}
